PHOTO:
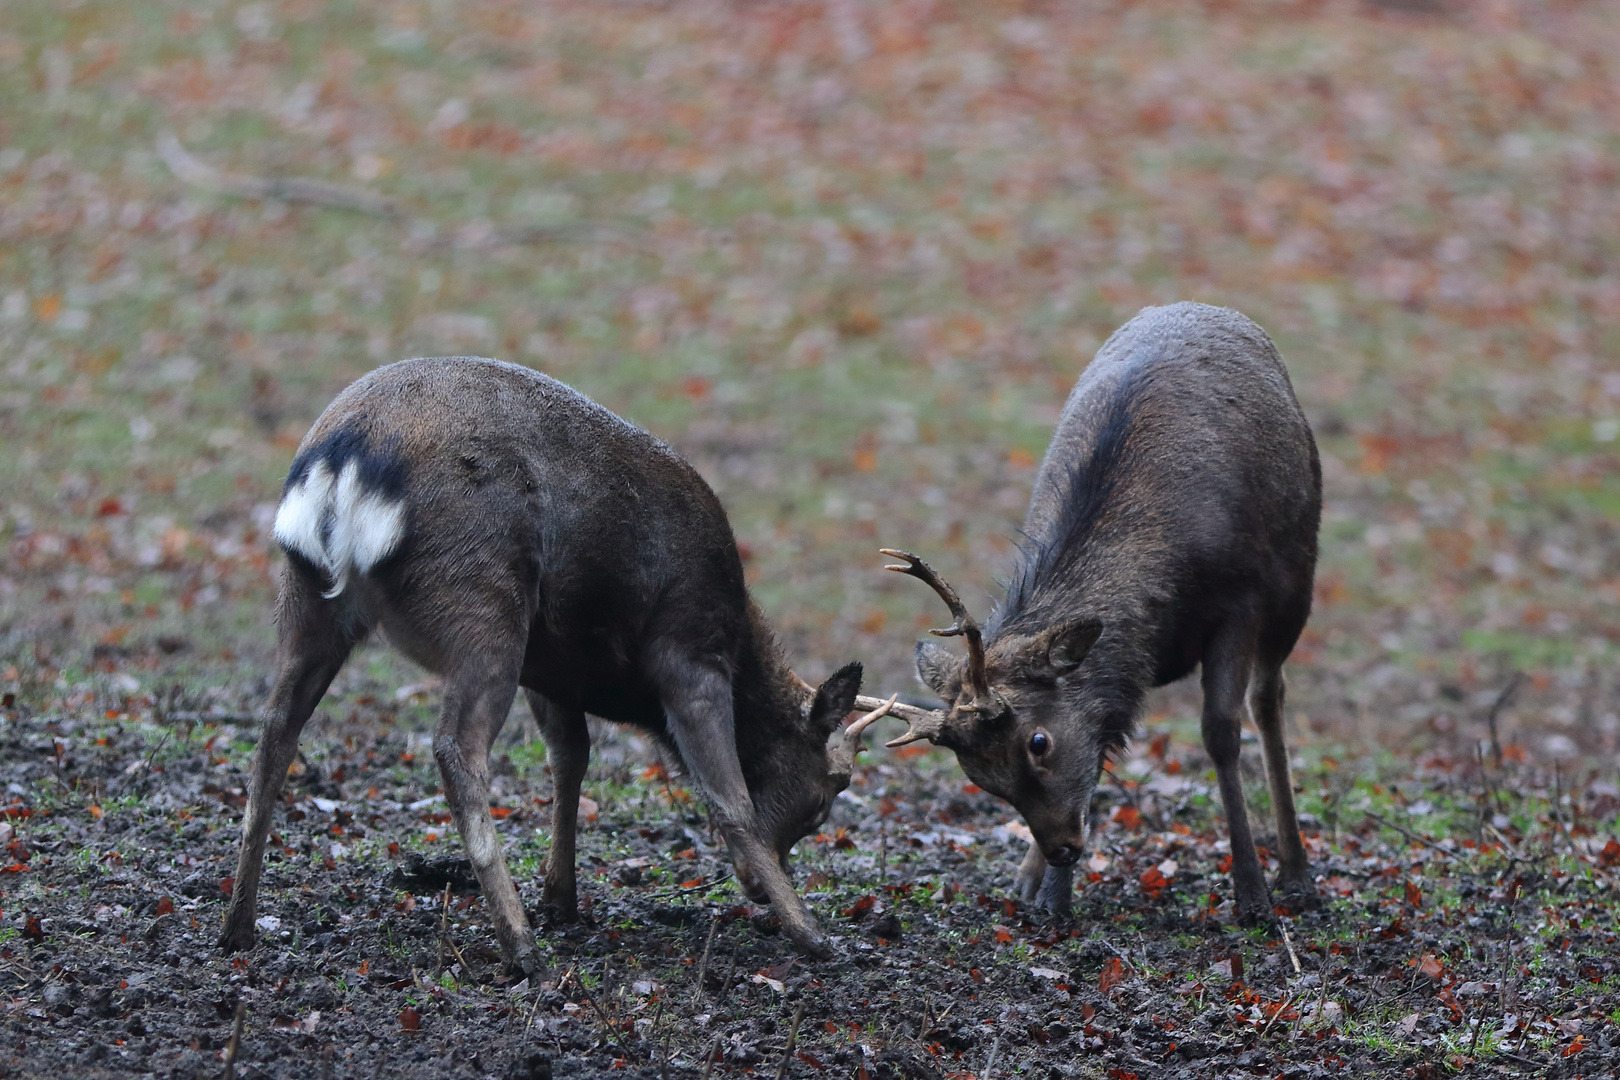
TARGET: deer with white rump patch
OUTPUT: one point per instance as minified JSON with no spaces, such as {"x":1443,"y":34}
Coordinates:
{"x":504,"y":531}
{"x":1173,"y":523}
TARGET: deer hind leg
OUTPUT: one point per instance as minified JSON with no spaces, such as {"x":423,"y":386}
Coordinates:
{"x":568,"y":750}
{"x":1294,"y":880}
{"x":1228,"y":661}
{"x":477,"y":697}
{"x":312,"y":645}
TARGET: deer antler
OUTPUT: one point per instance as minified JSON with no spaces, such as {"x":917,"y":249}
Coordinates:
{"x":964,"y":626}
{"x":921,"y":723}
{"x":842,"y":763}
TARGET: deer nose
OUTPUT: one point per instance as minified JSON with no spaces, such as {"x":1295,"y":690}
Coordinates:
{"x":1063,"y":855}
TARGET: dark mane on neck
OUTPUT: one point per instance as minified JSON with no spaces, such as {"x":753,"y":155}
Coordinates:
{"x":1087,"y":491}
{"x":763,"y":688}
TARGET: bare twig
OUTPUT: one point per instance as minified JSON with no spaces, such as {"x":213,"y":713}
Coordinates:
{"x":708,"y":1059}
{"x":1416,"y":838}
{"x":703,"y":964}
{"x":1292,"y":955}
{"x":1513,"y":852}
{"x":1286,"y":1005}
{"x":990,"y":1062}
{"x":444,"y":928}
{"x":1501,"y":703}
{"x":296,"y":189}
{"x":793,"y":1035}
{"x":286,"y":189}
{"x":236,"y":1040}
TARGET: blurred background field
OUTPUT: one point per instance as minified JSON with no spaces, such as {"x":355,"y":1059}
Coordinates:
{"x":846,"y":257}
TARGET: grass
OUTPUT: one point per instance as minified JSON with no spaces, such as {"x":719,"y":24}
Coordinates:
{"x":851,"y":275}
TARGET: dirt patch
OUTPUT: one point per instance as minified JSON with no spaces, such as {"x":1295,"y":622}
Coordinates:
{"x":1430,"y":953}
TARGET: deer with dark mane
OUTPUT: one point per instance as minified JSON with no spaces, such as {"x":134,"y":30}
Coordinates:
{"x":1173,"y":525}
{"x":504,"y":531}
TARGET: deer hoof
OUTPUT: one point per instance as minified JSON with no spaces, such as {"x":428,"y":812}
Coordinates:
{"x":1055,"y":893}
{"x":560,"y":910}
{"x":811,"y":941}
{"x":1255,"y":915}
{"x":525,"y":965}
{"x":1297,"y":896}
{"x":235,"y":939}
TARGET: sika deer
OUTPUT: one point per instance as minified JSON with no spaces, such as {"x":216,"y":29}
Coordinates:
{"x":1173,"y":523}
{"x":503,"y":530}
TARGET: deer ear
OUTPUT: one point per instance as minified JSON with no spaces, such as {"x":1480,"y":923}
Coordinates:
{"x":1067,"y":647}
{"x":835,"y":698}
{"x":937,"y":666}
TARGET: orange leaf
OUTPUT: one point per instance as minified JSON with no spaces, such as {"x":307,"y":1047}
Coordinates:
{"x":1128,"y":816}
{"x":692,"y":884}
{"x":1113,"y":973}
{"x":165,"y":905}
{"x":860,"y":908}
{"x":1003,"y":936}
{"x":410,"y":1019}
{"x":1414,"y":895}
{"x":1610,"y":855}
{"x":1575,"y":1047}
{"x":1431,"y":966}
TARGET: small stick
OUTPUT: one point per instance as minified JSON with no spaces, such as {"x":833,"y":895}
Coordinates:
{"x":444,"y":925}
{"x":652,"y":1033}
{"x":1501,"y":702}
{"x":1479,"y":1025}
{"x":708,"y":1059}
{"x":1558,"y":809}
{"x":1286,"y":1005}
{"x":236,"y":1040}
{"x":1513,"y":852}
{"x":613,"y":1032}
{"x":1292,"y":955}
{"x":703,"y":965}
{"x":793,"y":1035}
{"x":990,"y":1062}
{"x":1412,"y":836}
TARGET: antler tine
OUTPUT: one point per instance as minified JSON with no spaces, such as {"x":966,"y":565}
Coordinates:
{"x":964,"y":626}
{"x":852,"y":734}
{"x":920,"y":723}
{"x":841,"y":754}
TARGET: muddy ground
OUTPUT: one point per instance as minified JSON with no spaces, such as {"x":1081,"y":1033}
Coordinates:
{"x":1492,"y":955}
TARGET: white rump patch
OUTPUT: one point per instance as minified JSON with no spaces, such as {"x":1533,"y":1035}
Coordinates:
{"x":337,"y":525}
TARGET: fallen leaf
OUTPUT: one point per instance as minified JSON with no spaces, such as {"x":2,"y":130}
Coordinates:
{"x":1113,"y":973}
{"x":410,"y":1019}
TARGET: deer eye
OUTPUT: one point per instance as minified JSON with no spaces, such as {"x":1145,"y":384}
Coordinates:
{"x":1040,"y":743}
